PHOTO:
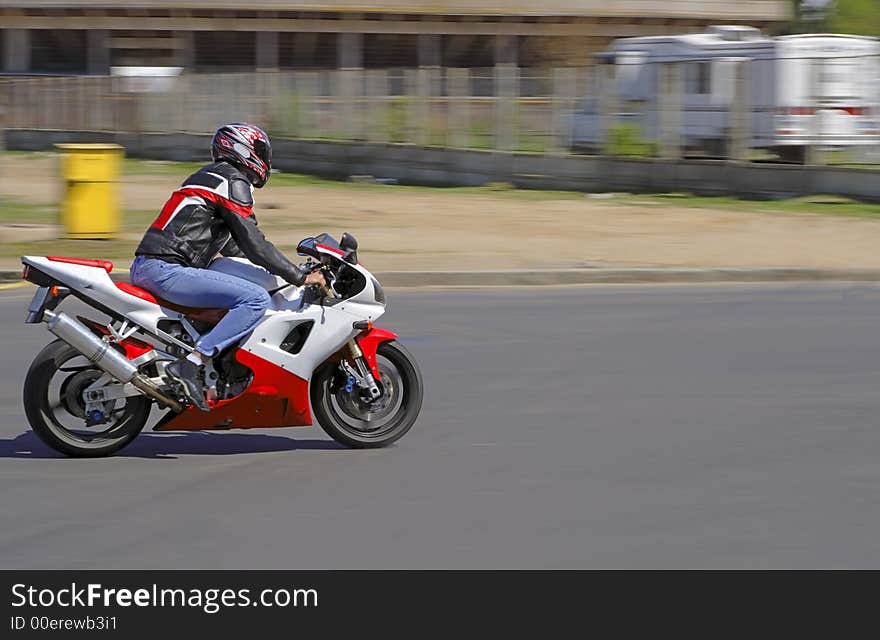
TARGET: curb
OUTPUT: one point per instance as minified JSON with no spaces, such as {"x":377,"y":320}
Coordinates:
{"x":544,"y":277}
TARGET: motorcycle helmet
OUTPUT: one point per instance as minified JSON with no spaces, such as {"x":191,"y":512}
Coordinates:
{"x":245,"y":146}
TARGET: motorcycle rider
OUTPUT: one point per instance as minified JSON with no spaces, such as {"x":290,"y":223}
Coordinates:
{"x":209,"y":216}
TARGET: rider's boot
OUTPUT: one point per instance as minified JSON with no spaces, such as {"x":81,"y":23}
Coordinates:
{"x":189,"y":375}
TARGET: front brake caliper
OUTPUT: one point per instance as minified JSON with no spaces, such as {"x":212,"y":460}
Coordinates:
{"x":362,"y":377}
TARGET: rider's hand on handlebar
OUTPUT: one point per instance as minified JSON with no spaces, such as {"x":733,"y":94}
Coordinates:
{"x":315,"y":278}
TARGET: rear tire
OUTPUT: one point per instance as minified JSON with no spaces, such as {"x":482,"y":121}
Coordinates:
{"x":349,"y":421}
{"x":45,"y":412}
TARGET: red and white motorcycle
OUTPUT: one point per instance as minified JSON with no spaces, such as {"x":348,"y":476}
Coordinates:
{"x":90,"y":392}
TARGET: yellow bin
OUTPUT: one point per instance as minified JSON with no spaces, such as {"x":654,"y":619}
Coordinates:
{"x":90,"y":201}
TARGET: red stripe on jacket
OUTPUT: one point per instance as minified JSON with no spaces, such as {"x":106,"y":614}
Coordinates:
{"x":180,"y":194}
{"x":167,"y":210}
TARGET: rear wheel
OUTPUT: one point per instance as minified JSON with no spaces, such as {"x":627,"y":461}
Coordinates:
{"x":350,"y":420}
{"x":55,"y":408}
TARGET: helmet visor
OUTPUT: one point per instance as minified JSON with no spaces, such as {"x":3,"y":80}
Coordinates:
{"x":264,"y":152}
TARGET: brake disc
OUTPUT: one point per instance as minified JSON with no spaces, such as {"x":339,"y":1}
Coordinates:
{"x":356,"y":407}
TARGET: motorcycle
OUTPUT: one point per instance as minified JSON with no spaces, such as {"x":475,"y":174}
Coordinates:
{"x":315,"y":354}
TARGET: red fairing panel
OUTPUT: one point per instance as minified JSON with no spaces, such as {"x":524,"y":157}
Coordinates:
{"x":369,"y":343}
{"x":137,"y":292}
{"x":106,"y":265}
{"x":275,"y":398}
{"x":133,"y":347}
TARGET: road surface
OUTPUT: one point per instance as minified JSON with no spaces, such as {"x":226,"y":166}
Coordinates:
{"x":591,"y":427}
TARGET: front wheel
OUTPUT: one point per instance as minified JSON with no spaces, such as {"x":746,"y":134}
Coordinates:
{"x":350,"y":420}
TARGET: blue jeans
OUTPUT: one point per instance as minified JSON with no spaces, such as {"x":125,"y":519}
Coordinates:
{"x":191,"y":287}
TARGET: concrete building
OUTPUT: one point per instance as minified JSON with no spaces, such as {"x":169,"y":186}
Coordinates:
{"x":90,"y":36}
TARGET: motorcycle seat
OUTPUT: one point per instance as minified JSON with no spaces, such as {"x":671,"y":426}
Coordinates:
{"x":210,"y":315}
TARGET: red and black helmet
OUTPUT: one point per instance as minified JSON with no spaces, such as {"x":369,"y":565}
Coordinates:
{"x":247,"y":147}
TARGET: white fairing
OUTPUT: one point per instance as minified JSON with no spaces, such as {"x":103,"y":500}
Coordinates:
{"x":332,"y":329}
{"x":333,"y":323}
{"x":95,"y":284}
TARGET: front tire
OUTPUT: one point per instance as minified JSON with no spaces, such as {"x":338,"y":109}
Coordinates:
{"x":355,"y":423}
{"x":54,"y":408}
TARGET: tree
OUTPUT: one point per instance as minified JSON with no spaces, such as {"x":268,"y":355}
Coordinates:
{"x":809,"y":16}
{"x":858,"y":17}
{"x":861,"y":17}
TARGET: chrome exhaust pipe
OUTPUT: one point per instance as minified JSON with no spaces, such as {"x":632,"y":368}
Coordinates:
{"x":95,"y":350}
{"x":101,"y":354}
{"x":148,"y":388}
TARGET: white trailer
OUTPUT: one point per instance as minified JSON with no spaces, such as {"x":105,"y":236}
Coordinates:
{"x":815,"y":90}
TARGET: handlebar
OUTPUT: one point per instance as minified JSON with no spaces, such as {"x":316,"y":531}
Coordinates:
{"x":316,"y":267}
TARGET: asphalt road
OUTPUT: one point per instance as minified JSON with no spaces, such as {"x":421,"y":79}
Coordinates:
{"x":595,"y":427}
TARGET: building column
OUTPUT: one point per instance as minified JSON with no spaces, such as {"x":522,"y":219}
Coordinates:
{"x":185,"y":50}
{"x":17,"y":51}
{"x":267,"y":51}
{"x":429,"y":50}
{"x":506,"y":50}
{"x":350,"y":51}
{"x":98,"y":52}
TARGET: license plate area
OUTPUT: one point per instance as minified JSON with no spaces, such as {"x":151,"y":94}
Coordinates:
{"x":45,"y":298}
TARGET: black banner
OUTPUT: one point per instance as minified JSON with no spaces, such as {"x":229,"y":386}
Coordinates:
{"x":221,"y":604}
{"x":238,"y":603}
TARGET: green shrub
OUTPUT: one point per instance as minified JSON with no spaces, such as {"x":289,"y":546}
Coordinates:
{"x":288,"y":120}
{"x":626,"y":140}
{"x":481,"y":134}
{"x":397,"y":120}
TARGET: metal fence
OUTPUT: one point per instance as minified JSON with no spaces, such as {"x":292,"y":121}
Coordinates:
{"x":501,"y":107}
{"x":718,"y":107}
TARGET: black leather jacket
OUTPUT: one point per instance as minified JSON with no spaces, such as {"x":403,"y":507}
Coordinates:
{"x":212,"y":214}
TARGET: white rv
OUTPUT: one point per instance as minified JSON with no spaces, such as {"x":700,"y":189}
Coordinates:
{"x":803,"y":90}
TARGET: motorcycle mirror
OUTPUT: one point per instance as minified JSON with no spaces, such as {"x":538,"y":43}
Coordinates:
{"x":348,"y":242}
{"x":306,"y":247}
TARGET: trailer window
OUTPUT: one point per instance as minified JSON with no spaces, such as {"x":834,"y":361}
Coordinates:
{"x":834,"y":73}
{"x":698,"y":78}
{"x":835,"y":79}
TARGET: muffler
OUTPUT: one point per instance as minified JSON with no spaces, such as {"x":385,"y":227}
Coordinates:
{"x":100,"y":353}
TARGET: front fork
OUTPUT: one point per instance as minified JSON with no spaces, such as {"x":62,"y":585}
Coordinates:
{"x":360,"y":373}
